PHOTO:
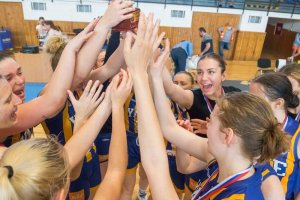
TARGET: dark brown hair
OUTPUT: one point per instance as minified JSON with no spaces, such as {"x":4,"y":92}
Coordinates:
{"x":252,"y":119}
{"x":277,"y":85}
{"x":217,"y":58}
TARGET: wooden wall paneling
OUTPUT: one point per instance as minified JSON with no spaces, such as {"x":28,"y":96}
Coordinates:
{"x":11,"y":16}
{"x":279,"y":46}
{"x":259,"y":45}
{"x":211,"y":22}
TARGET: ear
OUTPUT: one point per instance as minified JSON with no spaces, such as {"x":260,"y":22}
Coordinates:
{"x":223,"y":76}
{"x":279,"y":103}
{"x":229,"y":136}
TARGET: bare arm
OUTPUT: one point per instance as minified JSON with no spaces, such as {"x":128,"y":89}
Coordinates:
{"x":184,"y":98}
{"x":111,"y":186}
{"x":187,"y":164}
{"x":153,"y":153}
{"x":111,"y":67}
{"x":115,"y":13}
{"x":52,"y":100}
{"x":81,"y":141}
{"x":272,"y":188}
{"x":181,"y":138}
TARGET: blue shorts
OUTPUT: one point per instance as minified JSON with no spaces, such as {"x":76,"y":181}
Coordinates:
{"x":89,"y":178}
{"x":178,"y":178}
{"x":102,"y":143}
{"x":134,"y":157}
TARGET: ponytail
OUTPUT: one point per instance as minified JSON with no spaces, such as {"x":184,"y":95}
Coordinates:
{"x":7,"y":190}
{"x":252,"y":120}
{"x":275,"y":141}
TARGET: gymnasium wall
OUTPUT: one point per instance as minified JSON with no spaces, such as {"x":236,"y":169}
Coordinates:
{"x":279,"y":46}
{"x":246,"y":45}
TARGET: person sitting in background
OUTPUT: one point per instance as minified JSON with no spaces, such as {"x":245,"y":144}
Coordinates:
{"x":41,"y":31}
{"x":52,"y":29}
{"x":180,"y":53}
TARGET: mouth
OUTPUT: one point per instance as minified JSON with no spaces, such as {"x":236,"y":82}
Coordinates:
{"x":206,"y":86}
{"x":20,"y":93}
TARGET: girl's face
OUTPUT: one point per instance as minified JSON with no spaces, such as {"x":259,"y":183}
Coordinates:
{"x":210,"y":77}
{"x":295,"y":85}
{"x":214,"y":134}
{"x":12,"y":72}
{"x":257,"y":89}
{"x":8,"y":105}
{"x":183,"y":81}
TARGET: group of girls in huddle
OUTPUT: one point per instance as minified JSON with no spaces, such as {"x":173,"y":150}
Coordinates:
{"x":237,"y":145}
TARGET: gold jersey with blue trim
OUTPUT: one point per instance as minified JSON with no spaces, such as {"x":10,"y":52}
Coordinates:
{"x":130,"y":114}
{"x":62,"y":126}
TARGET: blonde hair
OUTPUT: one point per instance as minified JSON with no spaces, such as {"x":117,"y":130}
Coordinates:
{"x":40,"y":169}
{"x":54,"y":45}
{"x":251,"y":118}
{"x":292,"y":70}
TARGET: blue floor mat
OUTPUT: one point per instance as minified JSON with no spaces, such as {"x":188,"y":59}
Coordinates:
{"x":32,"y":90}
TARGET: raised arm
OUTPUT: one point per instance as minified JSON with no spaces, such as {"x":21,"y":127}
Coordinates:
{"x":81,"y":141}
{"x":111,"y":67}
{"x":52,"y":100}
{"x":184,"y":98}
{"x":181,"y":138}
{"x":115,"y":13}
{"x":152,"y":147}
{"x":186,"y":163}
{"x":111,"y":186}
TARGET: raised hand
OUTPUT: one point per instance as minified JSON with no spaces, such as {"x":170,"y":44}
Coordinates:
{"x":117,"y":12}
{"x":89,"y":100}
{"x":139,"y":55}
{"x":77,"y":42}
{"x":158,"y":61}
{"x":199,"y":126}
{"x":186,"y":124}
{"x":121,"y":87}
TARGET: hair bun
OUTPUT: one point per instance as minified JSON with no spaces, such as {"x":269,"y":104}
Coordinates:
{"x":53,"y":43}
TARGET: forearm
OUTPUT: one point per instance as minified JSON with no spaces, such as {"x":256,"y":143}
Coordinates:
{"x":112,"y":67}
{"x":118,"y":156}
{"x":55,"y":95}
{"x":87,"y":57}
{"x":175,"y":92}
{"x":206,"y":49}
{"x":182,"y":160}
{"x":81,"y":141}
{"x":151,"y":141}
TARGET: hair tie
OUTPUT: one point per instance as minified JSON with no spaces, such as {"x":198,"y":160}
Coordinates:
{"x":10,"y":170}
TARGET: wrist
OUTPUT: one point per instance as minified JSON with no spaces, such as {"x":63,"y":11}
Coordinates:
{"x":102,"y":26}
{"x":117,"y":105}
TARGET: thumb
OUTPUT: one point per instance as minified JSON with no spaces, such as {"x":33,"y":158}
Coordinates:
{"x":71,"y":97}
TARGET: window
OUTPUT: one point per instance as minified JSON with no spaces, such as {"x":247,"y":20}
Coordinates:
{"x":38,"y":6}
{"x":178,"y":13}
{"x":84,"y":8}
{"x":254,"y":19}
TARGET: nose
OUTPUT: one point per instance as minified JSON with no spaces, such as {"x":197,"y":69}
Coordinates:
{"x":16,"y":100}
{"x":19,"y":80}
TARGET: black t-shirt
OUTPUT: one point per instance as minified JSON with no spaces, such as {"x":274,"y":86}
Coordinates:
{"x":207,"y":39}
{"x":199,"y":109}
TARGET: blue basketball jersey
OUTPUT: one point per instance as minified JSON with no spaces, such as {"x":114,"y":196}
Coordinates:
{"x":62,"y":126}
{"x":248,"y":188}
{"x":130,"y":114}
{"x":286,"y":165}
